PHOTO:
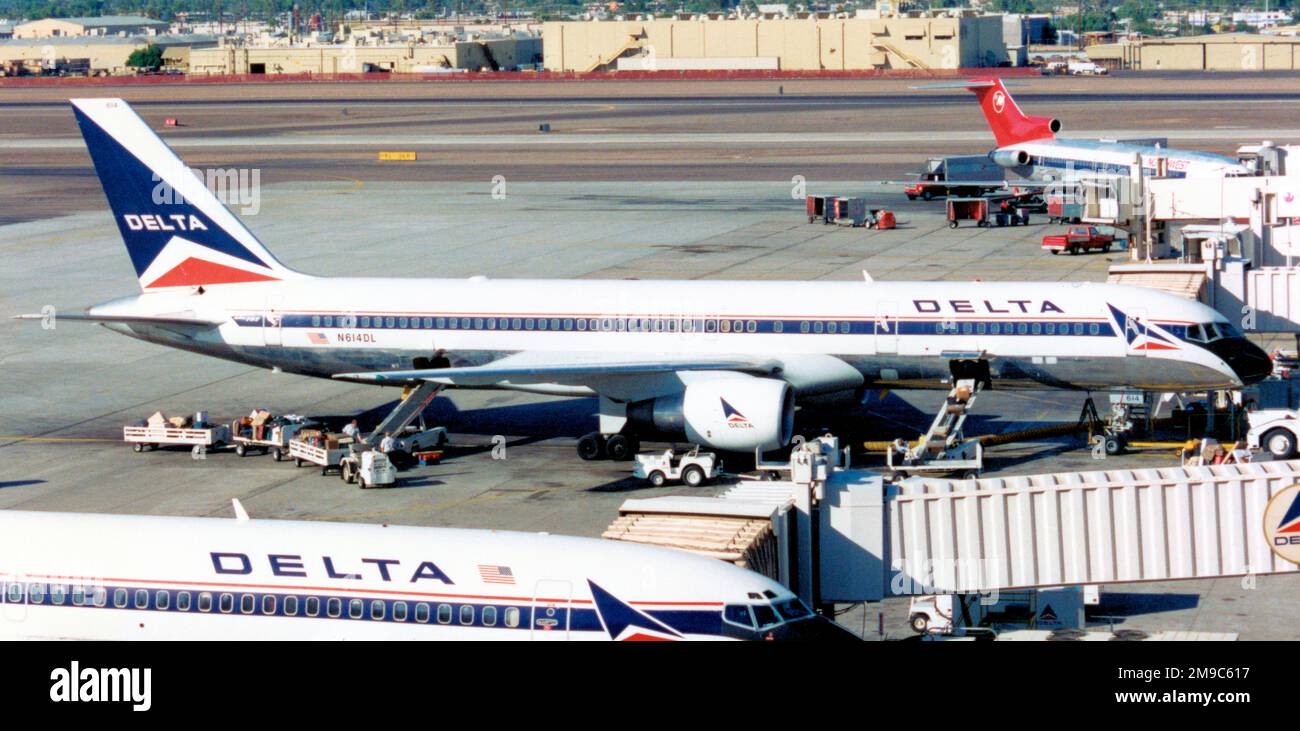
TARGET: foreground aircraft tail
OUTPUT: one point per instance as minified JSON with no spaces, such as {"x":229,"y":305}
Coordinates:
{"x":176,"y":230}
{"x":1010,"y":125}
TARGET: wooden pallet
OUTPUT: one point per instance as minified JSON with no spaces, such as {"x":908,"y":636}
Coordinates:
{"x":745,"y":542}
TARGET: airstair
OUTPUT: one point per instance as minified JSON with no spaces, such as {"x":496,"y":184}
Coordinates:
{"x":943,"y":447}
{"x":411,"y":406}
{"x":945,"y":431}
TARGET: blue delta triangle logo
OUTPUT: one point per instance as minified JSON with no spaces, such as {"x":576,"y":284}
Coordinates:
{"x":1291,"y":521}
{"x":734,"y":418}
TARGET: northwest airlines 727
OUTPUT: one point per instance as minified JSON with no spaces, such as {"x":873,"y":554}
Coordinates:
{"x":1029,"y":147}
{"x":718,"y":363}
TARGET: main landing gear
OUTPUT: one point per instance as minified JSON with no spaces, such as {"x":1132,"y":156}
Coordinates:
{"x":618,"y":447}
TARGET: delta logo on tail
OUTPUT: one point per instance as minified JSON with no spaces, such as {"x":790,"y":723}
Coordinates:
{"x":167,"y":216}
{"x":1140,"y":335}
{"x":1282,"y":524}
{"x":735,"y":419}
{"x":628,"y":624}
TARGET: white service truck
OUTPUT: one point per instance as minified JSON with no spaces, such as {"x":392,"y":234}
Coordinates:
{"x":1276,"y":431}
{"x":693,"y":468}
{"x":415,"y":439}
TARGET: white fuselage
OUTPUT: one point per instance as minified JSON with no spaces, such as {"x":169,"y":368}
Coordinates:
{"x":1066,"y":159}
{"x":1037,"y":335}
{"x":113,"y":577}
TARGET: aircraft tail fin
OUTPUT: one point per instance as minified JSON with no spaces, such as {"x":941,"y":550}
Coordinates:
{"x":1009,"y":125}
{"x":177,"y":232}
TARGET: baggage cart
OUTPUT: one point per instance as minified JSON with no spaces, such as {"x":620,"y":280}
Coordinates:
{"x":315,"y":447}
{"x":152,"y":437}
{"x":968,"y":209}
{"x":275,"y":442}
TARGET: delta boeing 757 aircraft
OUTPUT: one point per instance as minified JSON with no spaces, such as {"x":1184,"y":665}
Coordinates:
{"x":718,"y":363}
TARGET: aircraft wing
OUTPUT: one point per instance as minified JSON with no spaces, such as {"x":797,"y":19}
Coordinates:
{"x":184,"y":319}
{"x":567,"y":368}
{"x":969,"y":84}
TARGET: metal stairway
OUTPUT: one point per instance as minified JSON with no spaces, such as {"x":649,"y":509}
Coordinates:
{"x":945,"y":431}
{"x":411,"y":406}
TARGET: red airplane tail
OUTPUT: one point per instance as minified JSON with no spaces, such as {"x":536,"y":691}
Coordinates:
{"x":1009,"y":124}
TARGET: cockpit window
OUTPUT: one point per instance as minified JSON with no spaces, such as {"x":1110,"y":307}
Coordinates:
{"x":1208,"y":332}
{"x":792,"y":609}
{"x":765,"y":615}
{"x":738,"y":614}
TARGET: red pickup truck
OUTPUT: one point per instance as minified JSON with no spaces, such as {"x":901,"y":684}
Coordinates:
{"x":1078,"y":238}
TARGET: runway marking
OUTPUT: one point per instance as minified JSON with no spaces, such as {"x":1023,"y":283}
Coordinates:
{"x":356,"y":185}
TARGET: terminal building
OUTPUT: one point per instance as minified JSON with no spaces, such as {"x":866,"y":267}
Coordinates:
{"x":916,"y":41}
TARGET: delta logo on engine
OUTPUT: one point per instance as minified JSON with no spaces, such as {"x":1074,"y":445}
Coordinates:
{"x":735,"y":419}
{"x":1282,"y":524}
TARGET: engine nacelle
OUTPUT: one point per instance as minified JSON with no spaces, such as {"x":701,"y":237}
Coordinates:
{"x":734,"y":414}
{"x":1010,"y":158}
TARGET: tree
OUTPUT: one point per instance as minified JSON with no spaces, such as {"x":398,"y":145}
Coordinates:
{"x":149,"y":58}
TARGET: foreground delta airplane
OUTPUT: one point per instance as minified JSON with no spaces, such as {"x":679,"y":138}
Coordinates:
{"x":718,"y":363}
{"x":116,"y":577}
{"x":1029,"y":147}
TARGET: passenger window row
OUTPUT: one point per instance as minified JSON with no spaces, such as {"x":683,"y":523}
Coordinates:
{"x":594,"y":324}
{"x":1017,"y":328}
{"x":705,"y":325}
{"x":287,"y":605}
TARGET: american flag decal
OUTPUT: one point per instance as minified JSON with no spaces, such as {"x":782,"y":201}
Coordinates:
{"x":318,"y":339}
{"x":496,"y":574}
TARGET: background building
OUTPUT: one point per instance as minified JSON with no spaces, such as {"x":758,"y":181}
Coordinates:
{"x":108,"y":25}
{"x":1217,"y":52}
{"x":495,"y":54}
{"x":92,"y":55}
{"x":941,"y":41}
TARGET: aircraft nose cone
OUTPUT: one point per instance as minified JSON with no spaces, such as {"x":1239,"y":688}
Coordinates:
{"x":1248,"y":361}
{"x":816,"y":629}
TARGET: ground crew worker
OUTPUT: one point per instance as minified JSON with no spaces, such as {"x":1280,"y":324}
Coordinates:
{"x":351,"y":430}
{"x":387,"y":444}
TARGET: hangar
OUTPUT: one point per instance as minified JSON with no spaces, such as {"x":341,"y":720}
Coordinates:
{"x":916,"y":41}
{"x":1215,"y":52}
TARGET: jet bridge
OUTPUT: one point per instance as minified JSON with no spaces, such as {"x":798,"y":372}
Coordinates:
{"x":854,"y":537}
{"x":1085,"y":528}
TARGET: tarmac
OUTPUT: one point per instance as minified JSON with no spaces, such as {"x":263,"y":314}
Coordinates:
{"x":68,"y":391}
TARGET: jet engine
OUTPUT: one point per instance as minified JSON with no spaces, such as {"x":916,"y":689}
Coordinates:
{"x":1010,"y":158}
{"x":734,"y":414}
